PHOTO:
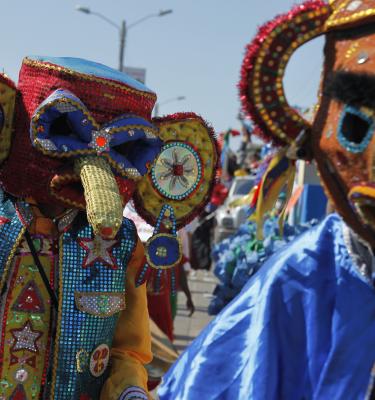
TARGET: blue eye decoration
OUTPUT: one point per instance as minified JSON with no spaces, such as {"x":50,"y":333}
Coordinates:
{"x":355,"y":130}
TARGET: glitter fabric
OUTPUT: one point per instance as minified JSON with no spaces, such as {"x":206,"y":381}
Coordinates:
{"x":26,"y":315}
{"x":9,"y":233}
{"x":88,"y":330}
{"x":89,"y":302}
{"x":99,"y":304}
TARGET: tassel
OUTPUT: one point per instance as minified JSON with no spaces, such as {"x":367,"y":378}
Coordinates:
{"x":280,"y":173}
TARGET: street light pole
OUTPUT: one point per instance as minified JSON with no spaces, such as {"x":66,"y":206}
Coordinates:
{"x":122,"y":44}
{"x":123,"y":28}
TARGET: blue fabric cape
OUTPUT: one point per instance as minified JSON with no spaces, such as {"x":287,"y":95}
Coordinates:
{"x":302,"y":328}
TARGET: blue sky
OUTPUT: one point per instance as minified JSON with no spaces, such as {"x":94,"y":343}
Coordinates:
{"x":194,"y":52}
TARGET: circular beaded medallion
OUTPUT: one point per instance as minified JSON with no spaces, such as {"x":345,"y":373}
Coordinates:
{"x":177,"y":171}
{"x":99,"y":360}
{"x":163,"y":251}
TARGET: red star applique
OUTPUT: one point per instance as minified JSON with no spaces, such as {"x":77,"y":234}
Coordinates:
{"x":98,"y":250}
{"x":4,"y":220}
{"x":29,"y":300}
{"x":25,"y":338}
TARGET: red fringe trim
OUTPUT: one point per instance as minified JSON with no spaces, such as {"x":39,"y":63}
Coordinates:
{"x":251,"y":54}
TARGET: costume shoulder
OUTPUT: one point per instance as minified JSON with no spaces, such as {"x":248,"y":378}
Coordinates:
{"x":264,"y":329}
{"x":306,"y":257}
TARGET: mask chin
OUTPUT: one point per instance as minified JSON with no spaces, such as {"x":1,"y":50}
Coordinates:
{"x":67,"y":189}
{"x":362,"y":198}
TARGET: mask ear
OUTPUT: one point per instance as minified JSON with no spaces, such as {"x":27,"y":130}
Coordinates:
{"x":183,"y":173}
{"x":8,"y":93}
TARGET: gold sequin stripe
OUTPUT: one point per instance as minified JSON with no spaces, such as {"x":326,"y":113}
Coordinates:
{"x":124,"y":87}
{"x":103,"y":200}
{"x":333,"y":21}
{"x":59,"y":317}
{"x":11,"y":256}
{"x":258,"y":100}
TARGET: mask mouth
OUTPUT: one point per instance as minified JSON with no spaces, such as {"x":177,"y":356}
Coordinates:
{"x":67,"y":188}
{"x":362,"y":198}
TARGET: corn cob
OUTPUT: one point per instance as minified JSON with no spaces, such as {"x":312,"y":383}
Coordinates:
{"x":103,"y":201}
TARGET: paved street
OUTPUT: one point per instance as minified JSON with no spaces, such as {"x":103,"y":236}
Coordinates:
{"x":187,"y":328}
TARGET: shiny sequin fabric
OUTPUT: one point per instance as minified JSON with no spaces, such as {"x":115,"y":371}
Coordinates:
{"x":88,"y":330}
{"x":77,"y":363}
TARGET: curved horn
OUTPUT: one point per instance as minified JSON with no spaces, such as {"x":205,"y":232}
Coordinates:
{"x":261,"y":85}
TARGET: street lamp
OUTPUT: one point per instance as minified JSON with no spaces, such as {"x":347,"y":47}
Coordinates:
{"x":157,"y":105}
{"x":122,"y":28}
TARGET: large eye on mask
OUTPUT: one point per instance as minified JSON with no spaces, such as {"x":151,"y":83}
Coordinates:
{"x":355,"y":130}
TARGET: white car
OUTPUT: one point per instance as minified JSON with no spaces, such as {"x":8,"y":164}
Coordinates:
{"x":228,"y":219}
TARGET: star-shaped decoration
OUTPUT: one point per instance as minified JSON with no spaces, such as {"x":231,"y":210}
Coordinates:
{"x":25,"y":338}
{"x":100,"y":140}
{"x":98,"y":250}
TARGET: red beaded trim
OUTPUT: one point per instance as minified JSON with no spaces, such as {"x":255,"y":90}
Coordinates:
{"x":261,"y":85}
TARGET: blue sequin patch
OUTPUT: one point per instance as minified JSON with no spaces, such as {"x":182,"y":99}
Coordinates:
{"x":163,"y":250}
{"x":347,"y":144}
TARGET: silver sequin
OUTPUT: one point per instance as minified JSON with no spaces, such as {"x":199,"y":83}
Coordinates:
{"x":362,"y":57}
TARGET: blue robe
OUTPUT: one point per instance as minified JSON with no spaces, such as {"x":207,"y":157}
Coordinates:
{"x":302,"y":328}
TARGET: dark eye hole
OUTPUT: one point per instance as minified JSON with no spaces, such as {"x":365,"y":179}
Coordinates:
{"x":61,"y":126}
{"x":354,"y":127}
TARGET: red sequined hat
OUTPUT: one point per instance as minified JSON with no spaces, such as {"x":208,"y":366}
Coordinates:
{"x":106,"y":113}
{"x":105,"y":92}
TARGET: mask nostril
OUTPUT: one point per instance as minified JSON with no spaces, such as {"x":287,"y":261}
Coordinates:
{"x":61,"y":126}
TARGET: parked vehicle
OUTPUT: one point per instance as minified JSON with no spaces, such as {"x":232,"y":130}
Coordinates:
{"x":228,"y":219}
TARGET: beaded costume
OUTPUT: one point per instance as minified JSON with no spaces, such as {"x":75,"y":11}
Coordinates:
{"x":303,"y":327}
{"x":77,"y":137}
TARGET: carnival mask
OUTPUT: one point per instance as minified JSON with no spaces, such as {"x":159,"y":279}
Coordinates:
{"x":341,"y":137}
{"x":83,"y":137}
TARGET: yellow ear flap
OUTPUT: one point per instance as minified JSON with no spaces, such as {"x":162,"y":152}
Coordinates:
{"x":8,"y":93}
{"x":184,"y":172}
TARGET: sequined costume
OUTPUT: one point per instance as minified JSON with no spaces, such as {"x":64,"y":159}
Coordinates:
{"x":77,"y":142}
{"x":303,"y":327}
{"x":98,"y":291}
